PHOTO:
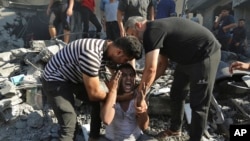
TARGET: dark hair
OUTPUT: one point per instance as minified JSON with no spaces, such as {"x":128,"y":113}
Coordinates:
{"x":126,"y":66}
{"x":194,"y":14}
{"x":227,"y":8}
{"x":131,"y":46}
{"x":242,"y":20}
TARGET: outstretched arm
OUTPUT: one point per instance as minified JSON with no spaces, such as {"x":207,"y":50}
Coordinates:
{"x":149,"y":72}
{"x":239,"y":66}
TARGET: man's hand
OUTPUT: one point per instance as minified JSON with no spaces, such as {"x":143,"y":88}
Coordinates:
{"x":140,"y":101}
{"x":237,"y":44}
{"x":239,"y":66}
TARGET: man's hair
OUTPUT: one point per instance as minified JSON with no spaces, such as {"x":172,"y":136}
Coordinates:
{"x":194,"y":14}
{"x":130,"y":23}
{"x":126,"y":66}
{"x":226,"y":8}
{"x":242,"y":20}
{"x":131,"y":46}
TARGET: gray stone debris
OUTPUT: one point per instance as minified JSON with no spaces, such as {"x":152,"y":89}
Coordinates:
{"x":25,"y":116}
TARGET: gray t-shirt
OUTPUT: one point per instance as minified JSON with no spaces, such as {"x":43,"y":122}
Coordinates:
{"x":135,"y":8}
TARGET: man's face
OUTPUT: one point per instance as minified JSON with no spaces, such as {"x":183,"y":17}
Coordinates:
{"x":133,"y":32}
{"x":121,"y":58}
{"x":225,"y":12}
{"x":127,"y":80}
{"x":241,"y":23}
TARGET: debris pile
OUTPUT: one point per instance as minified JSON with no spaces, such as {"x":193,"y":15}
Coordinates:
{"x":24,"y":114}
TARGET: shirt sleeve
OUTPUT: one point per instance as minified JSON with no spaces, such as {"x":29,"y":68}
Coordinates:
{"x":153,"y":39}
{"x":90,"y":63}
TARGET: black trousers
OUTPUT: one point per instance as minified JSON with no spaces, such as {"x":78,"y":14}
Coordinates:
{"x":58,"y":15}
{"x":61,"y":97}
{"x":112,"y":30}
{"x":199,"y":79}
{"x":89,"y":16}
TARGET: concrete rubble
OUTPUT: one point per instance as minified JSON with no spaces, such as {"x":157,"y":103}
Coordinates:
{"x":24,"y":114}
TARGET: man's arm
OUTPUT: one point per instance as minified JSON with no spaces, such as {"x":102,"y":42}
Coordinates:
{"x":238,"y":65}
{"x":70,"y":8}
{"x":49,"y":6}
{"x":217,"y":21}
{"x":162,"y":66}
{"x":93,"y":87}
{"x":120,"y":22}
{"x":152,"y":13}
{"x":228,"y":27}
{"x":103,"y":18}
{"x":149,"y":72}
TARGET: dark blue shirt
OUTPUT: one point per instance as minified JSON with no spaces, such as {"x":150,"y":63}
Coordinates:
{"x":224,"y":22}
{"x":165,"y":8}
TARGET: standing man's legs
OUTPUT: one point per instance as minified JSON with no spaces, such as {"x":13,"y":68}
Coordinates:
{"x":112,"y":30}
{"x":178,"y":95}
{"x":93,"y":19}
{"x":85,"y":12}
{"x":66,"y":29}
{"x":66,"y":20}
{"x":52,"y":28}
{"x":60,"y":97}
{"x":202,"y":79}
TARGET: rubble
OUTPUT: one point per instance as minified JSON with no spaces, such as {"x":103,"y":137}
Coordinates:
{"x":24,"y":114}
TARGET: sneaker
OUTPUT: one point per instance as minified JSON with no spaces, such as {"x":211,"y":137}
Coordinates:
{"x":168,"y":133}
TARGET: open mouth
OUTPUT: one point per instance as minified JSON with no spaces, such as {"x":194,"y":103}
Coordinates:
{"x":128,"y":86}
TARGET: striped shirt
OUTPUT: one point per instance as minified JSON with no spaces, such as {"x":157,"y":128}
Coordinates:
{"x":83,"y":56}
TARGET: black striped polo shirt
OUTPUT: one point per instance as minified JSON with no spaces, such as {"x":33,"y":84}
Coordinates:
{"x":78,"y":57}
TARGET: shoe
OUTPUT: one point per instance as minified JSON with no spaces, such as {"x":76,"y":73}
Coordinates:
{"x":92,"y":139}
{"x":149,"y":132}
{"x":168,"y":133}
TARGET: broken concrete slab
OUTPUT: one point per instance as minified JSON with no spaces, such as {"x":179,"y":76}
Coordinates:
{"x":7,"y":89}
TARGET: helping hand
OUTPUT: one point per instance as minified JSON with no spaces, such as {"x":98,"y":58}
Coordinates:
{"x":140,"y":101}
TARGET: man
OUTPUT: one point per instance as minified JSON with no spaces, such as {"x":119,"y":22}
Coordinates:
{"x":197,"y":54}
{"x":122,"y":121}
{"x":237,"y":44}
{"x":224,"y":23}
{"x":128,"y":8}
{"x":60,"y":11}
{"x":74,"y":70}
